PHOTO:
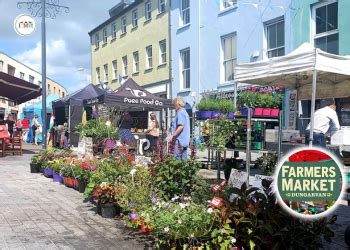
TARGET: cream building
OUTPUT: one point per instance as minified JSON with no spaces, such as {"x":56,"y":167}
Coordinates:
{"x":133,"y":42}
{"x":15,"y":68}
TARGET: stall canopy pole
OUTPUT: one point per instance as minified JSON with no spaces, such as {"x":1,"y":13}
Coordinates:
{"x":235,"y":95}
{"x":249,"y":130}
{"x":313,"y":98}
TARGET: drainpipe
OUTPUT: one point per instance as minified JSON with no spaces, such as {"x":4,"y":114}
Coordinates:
{"x":199,"y":47}
{"x":170,"y":58}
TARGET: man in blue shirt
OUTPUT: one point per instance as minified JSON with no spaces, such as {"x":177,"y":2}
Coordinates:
{"x":180,"y":129}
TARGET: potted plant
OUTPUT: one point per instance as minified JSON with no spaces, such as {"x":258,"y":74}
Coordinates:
{"x":67,"y":174}
{"x":228,"y":107}
{"x":83,"y":175}
{"x":105,"y":196}
{"x":35,"y":164}
{"x":56,"y":168}
{"x":204,"y":109}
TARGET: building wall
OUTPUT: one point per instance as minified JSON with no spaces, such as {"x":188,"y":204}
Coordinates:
{"x":147,"y":33}
{"x":209,"y":23}
{"x":302,"y":23}
{"x":13,"y":67}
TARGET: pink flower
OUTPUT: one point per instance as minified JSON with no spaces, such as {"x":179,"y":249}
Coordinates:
{"x":84,"y":166}
{"x":92,"y":168}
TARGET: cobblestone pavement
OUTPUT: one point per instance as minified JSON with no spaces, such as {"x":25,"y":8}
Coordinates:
{"x":37,"y":213}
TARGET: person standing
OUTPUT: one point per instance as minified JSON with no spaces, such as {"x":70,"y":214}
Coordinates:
{"x":25,"y":127}
{"x":180,"y":137}
{"x":153,"y":131}
{"x":35,"y":128}
{"x":125,"y":129}
{"x":325,"y":120}
{"x":10,"y":124}
{"x":51,"y":129}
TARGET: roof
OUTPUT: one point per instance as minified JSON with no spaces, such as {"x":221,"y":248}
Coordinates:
{"x":18,"y":90}
{"x":115,"y":13}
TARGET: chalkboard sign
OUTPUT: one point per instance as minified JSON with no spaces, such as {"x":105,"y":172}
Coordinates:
{"x":237,"y":178}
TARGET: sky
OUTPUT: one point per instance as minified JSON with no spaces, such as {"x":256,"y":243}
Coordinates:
{"x":67,"y":39}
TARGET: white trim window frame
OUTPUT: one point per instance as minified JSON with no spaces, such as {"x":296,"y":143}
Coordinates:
{"x":229,"y":56}
{"x":105,"y":69}
{"x":225,"y":4}
{"x":275,"y":42}
{"x":134,"y":17}
{"x":324,"y":29}
{"x":148,"y":10}
{"x":125,"y":65}
{"x":149,"y":60}
{"x":115,"y":71}
{"x":123,"y":25}
{"x":104,"y":32}
{"x":97,"y":40}
{"x":162,"y":52}
{"x":136,"y":66}
{"x":98,"y":75}
{"x":31,"y":79}
{"x":185,"y":12}
{"x":114,"y":30}
{"x":185,"y":69}
{"x":21,"y":75}
{"x":161,"y":6}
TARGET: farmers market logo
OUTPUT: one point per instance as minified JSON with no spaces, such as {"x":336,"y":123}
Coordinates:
{"x":309,"y":182}
{"x":24,"y":25}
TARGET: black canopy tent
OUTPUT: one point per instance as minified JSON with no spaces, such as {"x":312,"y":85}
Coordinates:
{"x":131,"y":97}
{"x":70,"y":108}
{"x":17,"y":90}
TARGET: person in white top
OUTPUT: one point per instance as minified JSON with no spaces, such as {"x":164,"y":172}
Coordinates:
{"x":325,"y":120}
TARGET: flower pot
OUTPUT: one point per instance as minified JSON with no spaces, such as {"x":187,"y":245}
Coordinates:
{"x":108,"y":210}
{"x":70,"y":182}
{"x":57,"y":178}
{"x":244,"y":111}
{"x":216,"y":114}
{"x":75,"y":184}
{"x":230,"y":115}
{"x":48,"y":172}
{"x":267,"y":112}
{"x":258,"y":111}
{"x":82,"y":186}
{"x":34,"y":168}
{"x":275,"y":112}
{"x":203,"y":115}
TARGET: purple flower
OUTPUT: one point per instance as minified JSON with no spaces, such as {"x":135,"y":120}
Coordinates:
{"x":154,"y":199}
{"x":92,"y":168}
{"x":132,"y":215}
{"x":131,"y":204}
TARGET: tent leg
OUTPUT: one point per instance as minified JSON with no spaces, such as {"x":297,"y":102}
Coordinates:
{"x":248,"y":156}
{"x":313,"y":100}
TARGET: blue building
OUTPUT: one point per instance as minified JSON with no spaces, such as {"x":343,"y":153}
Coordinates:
{"x":208,"y":37}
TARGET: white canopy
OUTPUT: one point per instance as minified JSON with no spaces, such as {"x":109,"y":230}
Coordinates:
{"x":295,"y":71}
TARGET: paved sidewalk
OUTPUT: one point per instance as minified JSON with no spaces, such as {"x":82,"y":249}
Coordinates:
{"x":36,"y":213}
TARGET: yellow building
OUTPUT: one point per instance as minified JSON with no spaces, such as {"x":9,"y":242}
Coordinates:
{"x":133,"y":42}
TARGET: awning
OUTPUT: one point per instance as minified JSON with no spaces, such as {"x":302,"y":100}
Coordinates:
{"x":17,"y":90}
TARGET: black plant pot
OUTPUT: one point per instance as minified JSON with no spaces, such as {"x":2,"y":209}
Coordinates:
{"x":108,"y":210}
{"x":99,"y":209}
{"x":229,"y":164}
{"x":82,"y":186}
{"x":35,"y":168}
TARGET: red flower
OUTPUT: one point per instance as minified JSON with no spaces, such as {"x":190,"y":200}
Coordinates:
{"x":84,"y":166}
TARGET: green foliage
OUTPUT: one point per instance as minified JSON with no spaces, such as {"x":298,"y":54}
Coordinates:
{"x":221,"y":132}
{"x":260,"y":100}
{"x":97,"y":129}
{"x":176,"y":177}
{"x":210,"y":104}
{"x":227,"y":106}
{"x":267,"y":163}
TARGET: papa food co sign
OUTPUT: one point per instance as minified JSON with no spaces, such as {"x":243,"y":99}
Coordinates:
{"x":24,"y":25}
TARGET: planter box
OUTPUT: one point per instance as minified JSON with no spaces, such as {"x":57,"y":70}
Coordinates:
{"x":275,"y":112}
{"x":108,"y":210}
{"x":267,"y":112}
{"x":244,"y":111}
{"x":82,"y":186}
{"x":35,"y":168}
{"x":57,"y":178}
{"x":48,"y":172}
{"x":203,"y":115}
{"x":258,"y":111}
{"x":76,"y":184}
{"x":230,"y":115}
{"x":216,"y":114}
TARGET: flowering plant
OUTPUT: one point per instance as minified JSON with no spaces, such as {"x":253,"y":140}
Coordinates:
{"x":104,"y":194}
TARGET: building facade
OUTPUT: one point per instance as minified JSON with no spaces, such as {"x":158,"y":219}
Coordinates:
{"x":15,"y":68}
{"x":210,"y":37}
{"x":133,"y":42}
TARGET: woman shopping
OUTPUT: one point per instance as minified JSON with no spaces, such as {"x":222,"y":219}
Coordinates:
{"x":36,"y":129}
{"x":153,"y":131}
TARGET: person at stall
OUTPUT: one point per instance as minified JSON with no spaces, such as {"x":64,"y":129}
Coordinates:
{"x":180,"y":136}
{"x":125,"y":128}
{"x":35,"y":128}
{"x":18,"y":125}
{"x":10,"y":124}
{"x":325,"y":121}
{"x":153,"y":131}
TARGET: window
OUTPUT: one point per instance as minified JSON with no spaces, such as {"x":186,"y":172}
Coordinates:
{"x":149,"y":63}
{"x":326,"y":34}
{"x":185,"y":69}
{"x":229,"y":56}
{"x":275,"y":39}
{"x":49,"y":89}
{"x":1,"y":65}
{"x":98,"y":75}
{"x":148,"y":10}
{"x":31,"y":79}
{"x":104,"y":36}
{"x":21,"y":75}
{"x":228,"y":3}
{"x":105,"y":69}
{"x":97,"y":40}
{"x":161,"y":6}
{"x":114,"y":30}
{"x":114,"y":65}
{"x":40,"y":84}
{"x":54,"y":90}
{"x":125,"y":65}
{"x":185,"y":11}
{"x":136,"y":61}
{"x":59,"y":92}
{"x":134,"y":18}
{"x":123,"y":24}
{"x":162,"y":52}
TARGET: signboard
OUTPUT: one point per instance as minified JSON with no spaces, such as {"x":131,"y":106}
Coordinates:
{"x":81,"y":146}
{"x":257,"y":183}
{"x":141,"y":160}
{"x":237,"y":178}
{"x":24,"y":25}
{"x":292,"y":108}
{"x":85,"y":146}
